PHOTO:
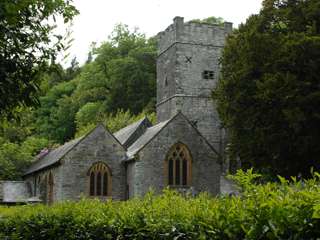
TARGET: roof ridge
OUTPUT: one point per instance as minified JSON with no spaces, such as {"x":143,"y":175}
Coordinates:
{"x":68,"y":146}
{"x":127,"y":133}
{"x":131,"y":124}
{"x":130,"y":152}
{"x":50,"y":150}
{"x":200,"y":134}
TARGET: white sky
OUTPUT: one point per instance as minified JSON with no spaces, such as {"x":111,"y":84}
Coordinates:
{"x":98,"y":17}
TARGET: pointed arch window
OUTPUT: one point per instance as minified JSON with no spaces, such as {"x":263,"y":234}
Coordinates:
{"x":99,"y":180}
{"x":35,"y":186}
{"x":178,"y":166}
{"x":50,"y":188}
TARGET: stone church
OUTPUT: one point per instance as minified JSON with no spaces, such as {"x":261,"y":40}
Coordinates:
{"x":182,"y":151}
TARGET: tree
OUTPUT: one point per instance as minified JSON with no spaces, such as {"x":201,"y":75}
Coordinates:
{"x":72,"y":71}
{"x":120,"y":75}
{"x":269,"y":92}
{"x":90,"y":113}
{"x":210,"y":20}
{"x":27,"y":43}
{"x":14,"y":157}
{"x":128,"y":64}
{"x":114,"y":122}
{"x":56,"y":116}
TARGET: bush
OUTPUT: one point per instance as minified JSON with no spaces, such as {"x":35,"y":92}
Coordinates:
{"x":270,"y":211}
{"x":268,"y":93}
{"x":15,"y":158}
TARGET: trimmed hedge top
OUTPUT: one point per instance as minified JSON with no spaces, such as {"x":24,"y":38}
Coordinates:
{"x":270,"y":211}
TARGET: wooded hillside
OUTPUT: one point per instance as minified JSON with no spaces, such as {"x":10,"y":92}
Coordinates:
{"x":115,"y":86}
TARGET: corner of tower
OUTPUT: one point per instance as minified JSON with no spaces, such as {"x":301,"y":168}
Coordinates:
{"x":178,"y":23}
{"x":228,"y":27}
{"x":171,"y":35}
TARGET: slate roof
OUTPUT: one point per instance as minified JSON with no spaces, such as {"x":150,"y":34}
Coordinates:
{"x":149,"y":134}
{"x":124,"y":134}
{"x":53,"y":156}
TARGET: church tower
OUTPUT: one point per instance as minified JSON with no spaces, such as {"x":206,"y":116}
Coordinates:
{"x":187,"y":72}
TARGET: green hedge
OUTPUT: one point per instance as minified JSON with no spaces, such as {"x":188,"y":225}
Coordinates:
{"x":270,"y":211}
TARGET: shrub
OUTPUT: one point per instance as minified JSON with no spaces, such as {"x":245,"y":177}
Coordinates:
{"x":14,"y":157}
{"x":285,"y":210}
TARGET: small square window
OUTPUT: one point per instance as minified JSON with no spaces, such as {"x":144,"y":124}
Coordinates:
{"x":208,"y":74}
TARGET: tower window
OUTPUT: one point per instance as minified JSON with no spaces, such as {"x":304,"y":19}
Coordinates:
{"x":208,"y":74}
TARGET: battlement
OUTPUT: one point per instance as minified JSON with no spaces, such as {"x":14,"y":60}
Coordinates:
{"x":192,"y":33}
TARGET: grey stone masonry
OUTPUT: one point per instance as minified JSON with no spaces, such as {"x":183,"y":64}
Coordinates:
{"x":12,"y":192}
{"x":184,"y":150}
{"x":99,"y":146}
{"x":70,"y":173}
{"x":187,"y":72}
{"x":148,"y":171}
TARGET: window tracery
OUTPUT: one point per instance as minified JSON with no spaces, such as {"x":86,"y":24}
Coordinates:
{"x":99,"y":180}
{"x":178,"y":166}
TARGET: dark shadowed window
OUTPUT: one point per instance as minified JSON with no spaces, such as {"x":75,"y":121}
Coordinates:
{"x":35,"y":186}
{"x":50,"y":188}
{"x":170,"y":172}
{"x":178,"y":166}
{"x":208,"y":74}
{"x":99,"y":180}
{"x":92,"y":183}
{"x":105,"y":184}
{"x":99,"y":184}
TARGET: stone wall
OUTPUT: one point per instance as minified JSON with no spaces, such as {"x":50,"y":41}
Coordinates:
{"x":14,"y":192}
{"x":131,"y":167}
{"x":166,"y":75}
{"x":98,"y":146}
{"x":71,"y":180}
{"x":192,"y":32}
{"x":38,"y":183}
{"x":150,"y":166}
{"x":202,"y":114}
{"x":138,"y":132}
{"x":185,"y":51}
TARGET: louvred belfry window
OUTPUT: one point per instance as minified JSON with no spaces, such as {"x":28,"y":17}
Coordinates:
{"x":178,"y":166}
{"x":99,"y":180}
{"x":208,"y":74}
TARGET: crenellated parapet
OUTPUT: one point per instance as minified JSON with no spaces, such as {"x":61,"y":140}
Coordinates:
{"x":192,"y":33}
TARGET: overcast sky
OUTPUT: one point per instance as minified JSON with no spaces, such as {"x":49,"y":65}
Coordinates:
{"x":98,"y":17}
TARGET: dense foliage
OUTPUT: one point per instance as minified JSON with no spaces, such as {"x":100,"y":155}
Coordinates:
{"x":115,"y":86}
{"x":121,"y":77}
{"x":272,"y":211}
{"x":269,"y":92}
{"x":210,"y":20}
{"x":128,"y":63}
{"x":27,"y":42}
